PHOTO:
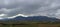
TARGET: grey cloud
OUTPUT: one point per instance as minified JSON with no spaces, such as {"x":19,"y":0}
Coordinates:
{"x":30,"y":7}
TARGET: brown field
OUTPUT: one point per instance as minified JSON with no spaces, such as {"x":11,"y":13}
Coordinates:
{"x":30,"y":25}
{"x":48,"y":25}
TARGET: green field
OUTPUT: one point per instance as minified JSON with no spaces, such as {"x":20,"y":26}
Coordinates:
{"x":19,"y":25}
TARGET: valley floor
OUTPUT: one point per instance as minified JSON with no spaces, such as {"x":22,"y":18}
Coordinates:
{"x":48,"y":25}
{"x":30,"y":25}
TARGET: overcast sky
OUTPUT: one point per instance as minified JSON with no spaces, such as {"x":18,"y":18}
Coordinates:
{"x":14,"y":8}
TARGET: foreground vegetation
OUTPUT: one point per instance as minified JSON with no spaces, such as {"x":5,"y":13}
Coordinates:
{"x":30,"y":24}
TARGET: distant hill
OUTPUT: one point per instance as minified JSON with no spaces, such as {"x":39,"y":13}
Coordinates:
{"x":21,"y":19}
{"x":34,"y":18}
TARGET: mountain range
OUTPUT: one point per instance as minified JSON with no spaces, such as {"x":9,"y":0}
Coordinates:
{"x":33,"y":18}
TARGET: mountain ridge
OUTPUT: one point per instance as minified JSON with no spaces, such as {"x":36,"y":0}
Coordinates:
{"x":34,"y":18}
